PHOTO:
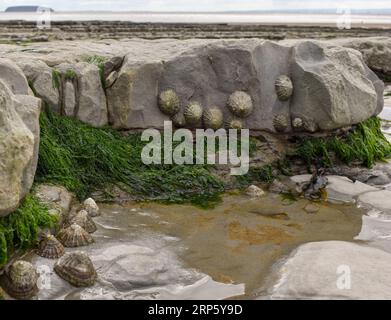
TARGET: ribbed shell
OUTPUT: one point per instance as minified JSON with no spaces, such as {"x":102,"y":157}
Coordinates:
{"x":193,"y":112}
{"x":74,"y":236}
{"x":83,"y":219}
{"x":77,"y":269}
{"x":20,"y":280}
{"x":169,"y":102}
{"x":284,"y":87}
{"x":178,"y":120}
{"x":240,"y":104}
{"x":234,"y":124}
{"x":280,"y":123}
{"x":213,"y":118}
{"x":49,"y":247}
{"x":91,"y":207}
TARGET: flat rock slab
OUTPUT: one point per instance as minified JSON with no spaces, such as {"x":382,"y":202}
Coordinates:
{"x":319,"y":270}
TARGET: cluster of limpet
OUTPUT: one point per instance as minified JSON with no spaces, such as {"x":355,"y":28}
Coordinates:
{"x":169,"y":102}
{"x":20,"y":280}
{"x":240,"y":104}
{"x":77,"y":269}
{"x":213,"y":118}
{"x":284,"y":87}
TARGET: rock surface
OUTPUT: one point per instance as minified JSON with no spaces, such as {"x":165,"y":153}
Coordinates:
{"x":18,"y":147}
{"x":322,"y":278}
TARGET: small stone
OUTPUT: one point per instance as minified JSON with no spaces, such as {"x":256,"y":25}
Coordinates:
{"x":254,"y":191}
{"x":278,"y":187}
{"x":311,"y":208}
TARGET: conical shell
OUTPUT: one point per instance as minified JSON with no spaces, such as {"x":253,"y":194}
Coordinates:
{"x":280,"y":123}
{"x":91,"y":207}
{"x":178,"y":120}
{"x":49,"y":247}
{"x":240,"y":104}
{"x":234,"y":123}
{"x":83,"y":219}
{"x":193,"y":112}
{"x":74,"y":236}
{"x":20,"y":280}
{"x":77,"y":269}
{"x":169,"y":102}
{"x":284,"y":87}
{"x":213,"y":118}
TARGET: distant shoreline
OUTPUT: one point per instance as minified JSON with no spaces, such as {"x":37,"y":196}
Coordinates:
{"x":289,"y":19}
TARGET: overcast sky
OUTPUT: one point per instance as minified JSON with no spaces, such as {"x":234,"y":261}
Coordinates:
{"x":196,"y":5}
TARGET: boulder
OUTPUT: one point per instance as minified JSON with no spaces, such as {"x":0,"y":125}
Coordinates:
{"x":40,"y":75}
{"x":337,"y":270}
{"x":332,"y":87}
{"x":13,"y":77}
{"x":17,"y":148}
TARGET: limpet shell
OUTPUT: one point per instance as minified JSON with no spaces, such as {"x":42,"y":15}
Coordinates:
{"x":169,"y":102}
{"x":20,"y":280}
{"x":240,"y":104}
{"x":213,"y":118}
{"x":193,"y":112}
{"x":280,"y":123}
{"x":74,"y":236}
{"x":49,"y":247}
{"x":284,"y":87}
{"x":83,"y":219}
{"x":77,"y":269}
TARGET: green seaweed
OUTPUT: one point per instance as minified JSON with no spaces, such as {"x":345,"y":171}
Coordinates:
{"x":257,"y":174}
{"x":20,"y":229}
{"x":70,"y":75}
{"x":56,"y":76}
{"x":86,"y":159}
{"x":99,"y":61}
{"x":366,"y":144}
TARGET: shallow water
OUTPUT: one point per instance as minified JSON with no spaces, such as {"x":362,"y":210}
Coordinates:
{"x":154,"y":251}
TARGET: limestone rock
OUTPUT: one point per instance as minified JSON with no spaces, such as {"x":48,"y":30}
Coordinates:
{"x":13,"y":77}
{"x":29,"y":108}
{"x":69,"y":99}
{"x":16,"y":152}
{"x":330,"y":260}
{"x":41,"y":77}
{"x":332,"y":86}
{"x":92,"y":105}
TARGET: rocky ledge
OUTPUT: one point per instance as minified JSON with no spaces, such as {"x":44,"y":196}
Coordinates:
{"x":290,"y":85}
